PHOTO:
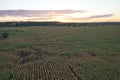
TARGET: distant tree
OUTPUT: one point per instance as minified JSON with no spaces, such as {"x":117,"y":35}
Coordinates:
{"x":5,"y":35}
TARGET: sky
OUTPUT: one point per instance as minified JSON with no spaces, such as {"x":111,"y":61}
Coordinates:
{"x":60,"y":10}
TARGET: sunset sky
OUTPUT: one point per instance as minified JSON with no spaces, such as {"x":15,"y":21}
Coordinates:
{"x":60,"y":10}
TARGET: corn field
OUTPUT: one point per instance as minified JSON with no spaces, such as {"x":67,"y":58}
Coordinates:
{"x":60,"y":53}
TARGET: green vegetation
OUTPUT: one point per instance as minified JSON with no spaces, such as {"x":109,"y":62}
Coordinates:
{"x":5,"y":35}
{"x":60,"y":53}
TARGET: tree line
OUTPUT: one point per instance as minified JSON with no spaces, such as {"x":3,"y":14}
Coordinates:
{"x":17,"y":24}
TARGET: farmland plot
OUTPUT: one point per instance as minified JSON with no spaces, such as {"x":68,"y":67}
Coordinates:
{"x":60,"y":53}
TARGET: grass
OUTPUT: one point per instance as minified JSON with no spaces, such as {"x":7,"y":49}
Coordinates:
{"x":60,"y":53}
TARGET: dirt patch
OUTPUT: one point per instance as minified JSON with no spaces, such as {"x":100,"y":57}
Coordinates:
{"x":92,"y":53}
{"x":33,"y":54}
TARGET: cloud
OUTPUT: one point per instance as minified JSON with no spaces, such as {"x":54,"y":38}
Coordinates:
{"x":48,"y":15}
{"x":40,"y":18}
{"x":98,"y":16}
{"x":37,"y":13}
{"x":90,"y":17}
{"x":74,"y":18}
